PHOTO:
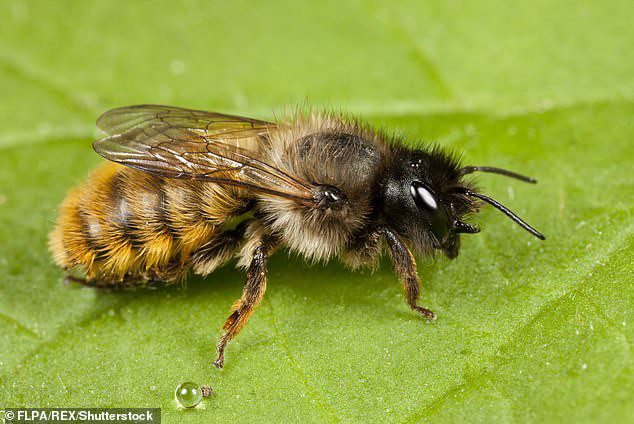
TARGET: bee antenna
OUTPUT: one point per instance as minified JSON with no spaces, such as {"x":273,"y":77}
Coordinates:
{"x":506,"y":211}
{"x":470,"y":169}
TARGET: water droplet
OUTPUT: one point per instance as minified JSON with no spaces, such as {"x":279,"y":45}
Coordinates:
{"x":188,"y":394}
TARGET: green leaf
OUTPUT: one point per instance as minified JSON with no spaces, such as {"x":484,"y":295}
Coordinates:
{"x":527,"y":330}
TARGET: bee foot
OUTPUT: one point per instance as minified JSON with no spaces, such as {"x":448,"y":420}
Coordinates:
{"x":425,"y":313}
{"x":219,"y":362}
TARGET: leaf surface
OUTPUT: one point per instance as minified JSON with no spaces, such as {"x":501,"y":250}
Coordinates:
{"x":527,"y":330}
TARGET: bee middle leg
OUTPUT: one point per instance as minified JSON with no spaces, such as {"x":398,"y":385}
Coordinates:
{"x":405,"y":266}
{"x":252,"y":294}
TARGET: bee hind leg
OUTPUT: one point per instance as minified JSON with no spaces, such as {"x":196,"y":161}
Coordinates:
{"x":252,"y":294}
{"x":405,"y":266}
{"x":69,"y":278}
{"x":127,"y":282}
{"x":89,"y":282}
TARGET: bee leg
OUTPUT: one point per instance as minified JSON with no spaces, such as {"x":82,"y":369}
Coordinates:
{"x":127,"y":282}
{"x":71,"y":278}
{"x":89,"y":282}
{"x":252,"y":294}
{"x":220,"y":249}
{"x":405,"y":266}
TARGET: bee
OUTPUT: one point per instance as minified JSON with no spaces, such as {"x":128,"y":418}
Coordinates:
{"x":320,"y":185}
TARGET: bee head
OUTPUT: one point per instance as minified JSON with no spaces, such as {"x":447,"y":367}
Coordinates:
{"x":427,"y":200}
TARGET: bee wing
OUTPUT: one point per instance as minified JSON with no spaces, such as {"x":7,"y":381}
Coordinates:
{"x":189,"y":144}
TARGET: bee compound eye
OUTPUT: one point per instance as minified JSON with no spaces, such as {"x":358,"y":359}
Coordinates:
{"x":423,"y":197}
{"x":427,"y":203}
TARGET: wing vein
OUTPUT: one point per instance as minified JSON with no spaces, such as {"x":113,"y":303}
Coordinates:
{"x":207,"y":146}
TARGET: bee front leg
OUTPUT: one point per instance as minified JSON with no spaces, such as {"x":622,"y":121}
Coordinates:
{"x":252,"y":294}
{"x":405,"y":266}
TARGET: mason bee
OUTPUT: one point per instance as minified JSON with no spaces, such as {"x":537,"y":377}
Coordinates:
{"x":321,"y":185}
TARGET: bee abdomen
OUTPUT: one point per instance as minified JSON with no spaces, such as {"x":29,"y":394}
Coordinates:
{"x":124,"y":224}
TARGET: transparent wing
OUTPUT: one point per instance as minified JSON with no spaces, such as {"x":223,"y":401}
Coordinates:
{"x":190,"y":144}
